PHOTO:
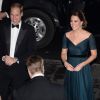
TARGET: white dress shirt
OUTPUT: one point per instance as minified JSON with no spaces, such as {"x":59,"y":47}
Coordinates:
{"x":1,"y":5}
{"x":37,"y":74}
{"x":14,"y":36}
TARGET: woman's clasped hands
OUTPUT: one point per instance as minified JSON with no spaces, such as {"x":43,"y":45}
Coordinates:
{"x":71,"y":68}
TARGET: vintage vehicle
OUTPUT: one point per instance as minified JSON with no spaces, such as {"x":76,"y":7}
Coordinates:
{"x":45,"y":16}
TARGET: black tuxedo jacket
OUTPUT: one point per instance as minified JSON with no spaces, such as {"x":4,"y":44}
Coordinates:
{"x":25,"y":46}
{"x":26,"y":42}
{"x":39,"y":89}
{"x":6,"y":5}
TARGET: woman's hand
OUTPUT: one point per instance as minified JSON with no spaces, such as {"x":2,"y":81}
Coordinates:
{"x":79,"y":67}
{"x":68,"y":66}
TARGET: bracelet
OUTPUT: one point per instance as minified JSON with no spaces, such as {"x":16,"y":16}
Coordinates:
{"x":65,"y":61}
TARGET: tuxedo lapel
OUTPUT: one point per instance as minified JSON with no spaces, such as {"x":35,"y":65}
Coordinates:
{"x":7,"y":37}
{"x":21,"y":35}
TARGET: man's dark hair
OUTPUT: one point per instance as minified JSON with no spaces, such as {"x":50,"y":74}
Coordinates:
{"x":35,"y":63}
{"x":17,"y":5}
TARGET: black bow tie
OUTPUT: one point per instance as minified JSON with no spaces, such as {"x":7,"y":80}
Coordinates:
{"x":17,"y":26}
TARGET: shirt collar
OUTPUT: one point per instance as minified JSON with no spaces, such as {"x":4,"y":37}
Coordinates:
{"x":38,"y":74}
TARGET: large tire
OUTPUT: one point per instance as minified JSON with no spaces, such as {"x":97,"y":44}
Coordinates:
{"x":43,"y":25}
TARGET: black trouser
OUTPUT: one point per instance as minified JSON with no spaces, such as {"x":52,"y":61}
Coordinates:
{"x":12,"y":77}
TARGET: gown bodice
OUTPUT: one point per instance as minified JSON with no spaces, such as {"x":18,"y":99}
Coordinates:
{"x":81,"y":48}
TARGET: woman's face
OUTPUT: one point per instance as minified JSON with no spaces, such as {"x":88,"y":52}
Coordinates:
{"x":75,"y":22}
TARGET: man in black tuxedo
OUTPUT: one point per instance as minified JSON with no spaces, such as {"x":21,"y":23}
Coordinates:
{"x":38,"y":88}
{"x":17,"y":42}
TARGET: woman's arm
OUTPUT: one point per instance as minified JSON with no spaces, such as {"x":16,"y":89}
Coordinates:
{"x":64,"y":54}
{"x":91,"y":58}
{"x":88,"y":61}
{"x":64,"y":59}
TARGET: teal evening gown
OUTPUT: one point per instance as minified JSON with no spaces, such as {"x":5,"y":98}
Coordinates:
{"x":79,"y":85}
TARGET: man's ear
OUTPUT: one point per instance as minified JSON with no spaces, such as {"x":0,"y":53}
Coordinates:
{"x":29,"y":73}
{"x":21,"y":14}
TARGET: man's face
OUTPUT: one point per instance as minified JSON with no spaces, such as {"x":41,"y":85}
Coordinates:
{"x":15,"y":15}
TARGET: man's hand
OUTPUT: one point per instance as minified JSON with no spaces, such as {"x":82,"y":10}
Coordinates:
{"x":9,"y":60}
{"x":2,"y":15}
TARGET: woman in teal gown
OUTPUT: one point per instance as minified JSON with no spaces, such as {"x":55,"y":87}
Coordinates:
{"x":78,"y":51}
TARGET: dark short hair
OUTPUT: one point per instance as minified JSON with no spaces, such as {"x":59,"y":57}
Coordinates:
{"x":36,"y":63}
{"x":80,"y":15}
{"x":33,"y":59}
{"x":17,"y":5}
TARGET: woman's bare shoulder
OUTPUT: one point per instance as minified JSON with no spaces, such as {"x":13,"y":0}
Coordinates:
{"x":87,"y":33}
{"x":68,"y":33}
